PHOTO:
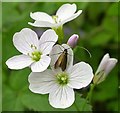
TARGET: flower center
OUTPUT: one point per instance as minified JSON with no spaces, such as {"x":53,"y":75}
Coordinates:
{"x":36,"y":55}
{"x":55,"y":18}
{"x":62,"y":78}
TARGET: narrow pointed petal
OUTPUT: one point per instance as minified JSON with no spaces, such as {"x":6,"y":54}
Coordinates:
{"x":103,"y":63}
{"x":81,"y":74}
{"x":47,"y":40}
{"x":61,"y":97}
{"x":41,"y":16}
{"x":42,"y":24}
{"x":66,"y":11}
{"x":42,"y":82}
{"x":111,"y":64}
{"x":41,"y":65}
{"x":72,"y":17}
{"x":24,"y":39}
{"x":19,"y":62}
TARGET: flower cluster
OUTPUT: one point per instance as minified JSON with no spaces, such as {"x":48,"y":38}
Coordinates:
{"x":63,"y":76}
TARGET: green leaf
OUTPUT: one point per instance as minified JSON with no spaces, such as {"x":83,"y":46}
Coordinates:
{"x":80,"y":102}
{"x":36,"y":102}
{"x":11,"y":100}
{"x":19,"y":79}
{"x":14,"y":89}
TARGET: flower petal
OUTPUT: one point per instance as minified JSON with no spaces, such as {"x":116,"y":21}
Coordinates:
{"x":19,"y":62}
{"x":72,"y":17}
{"x":42,"y":24}
{"x":42,"y":82}
{"x":41,"y":65}
{"x":81,"y":75}
{"x":111,"y":64}
{"x":47,"y":40}
{"x":61,"y":97}
{"x":57,"y":50}
{"x":24,"y":39}
{"x":103,"y":63}
{"x":66,"y":11}
{"x":41,"y":16}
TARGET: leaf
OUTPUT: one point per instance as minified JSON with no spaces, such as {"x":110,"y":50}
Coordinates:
{"x":19,"y":79}
{"x":80,"y":102}
{"x":36,"y":102}
{"x":16,"y":86}
{"x":11,"y":100}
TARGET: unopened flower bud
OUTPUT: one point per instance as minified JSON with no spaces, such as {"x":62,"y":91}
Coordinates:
{"x":73,"y":40}
{"x":106,"y":65}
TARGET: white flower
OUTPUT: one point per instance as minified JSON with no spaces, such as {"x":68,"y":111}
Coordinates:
{"x":64,"y":14}
{"x":106,"y":65}
{"x":60,"y":84}
{"x":34,"y":51}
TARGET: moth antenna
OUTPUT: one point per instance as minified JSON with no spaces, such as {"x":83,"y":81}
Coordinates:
{"x":87,"y":51}
{"x":57,"y":53}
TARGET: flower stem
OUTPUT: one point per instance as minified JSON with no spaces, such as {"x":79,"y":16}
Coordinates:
{"x":60,"y":33}
{"x":89,"y":96}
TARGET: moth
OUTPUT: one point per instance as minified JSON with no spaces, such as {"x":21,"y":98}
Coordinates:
{"x":62,"y":60}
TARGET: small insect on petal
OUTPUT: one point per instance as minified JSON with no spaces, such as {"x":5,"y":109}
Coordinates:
{"x":62,"y":61}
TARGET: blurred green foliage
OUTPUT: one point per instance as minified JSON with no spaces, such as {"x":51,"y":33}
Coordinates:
{"x":97,"y":27}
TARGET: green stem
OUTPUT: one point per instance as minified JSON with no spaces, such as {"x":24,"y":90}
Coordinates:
{"x":89,"y":96}
{"x":60,"y":33}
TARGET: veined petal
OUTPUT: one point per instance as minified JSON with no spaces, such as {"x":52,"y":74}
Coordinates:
{"x":25,"y":40}
{"x":41,"y":65}
{"x":42,"y":82}
{"x":72,"y":17}
{"x":81,"y":74}
{"x":57,"y":50}
{"x":19,"y":62}
{"x":66,"y":11}
{"x":47,"y":40}
{"x":61,"y":97}
{"x":42,"y":24}
{"x":41,"y":16}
